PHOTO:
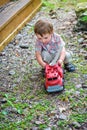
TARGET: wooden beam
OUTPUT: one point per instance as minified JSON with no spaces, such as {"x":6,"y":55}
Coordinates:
{"x":18,"y":21}
{"x":2,"y":2}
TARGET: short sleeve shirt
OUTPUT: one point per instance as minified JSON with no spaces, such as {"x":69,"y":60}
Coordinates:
{"x":52,"y":46}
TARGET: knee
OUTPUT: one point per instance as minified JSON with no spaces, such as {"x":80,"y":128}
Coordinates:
{"x":68,"y":57}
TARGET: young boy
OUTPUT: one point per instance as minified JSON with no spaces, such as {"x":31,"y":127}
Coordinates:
{"x":49,"y":47}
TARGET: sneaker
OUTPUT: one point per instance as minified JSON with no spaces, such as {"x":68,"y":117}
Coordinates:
{"x":69,"y":67}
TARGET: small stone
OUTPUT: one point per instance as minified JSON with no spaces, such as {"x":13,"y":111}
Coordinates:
{"x":56,"y":116}
{"x":78,"y":86}
{"x":76,"y":124}
{"x":84,"y":86}
{"x":3,"y":100}
{"x":61,"y":28}
{"x":34,"y":128}
{"x":77,"y":93}
{"x":52,"y":113}
{"x":85,"y":41}
{"x":85,"y":76}
{"x":84,"y":126}
{"x":11,"y":72}
{"x":85,"y":57}
{"x":24,"y":46}
{"x":38,"y":122}
{"x":54,"y":17}
{"x":67,"y":23}
{"x":10,"y":45}
{"x":80,"y":40}
{"x":62,"y":109}
{"x":2,"y":53}
{"x":14,"y":85}
{"x":18,"y":37}
{"x":22,"y":69}
{"x":16,"y":41}
{"x":83,"y":46}
{"x":62,"y":117}
{"x":52,"y":12}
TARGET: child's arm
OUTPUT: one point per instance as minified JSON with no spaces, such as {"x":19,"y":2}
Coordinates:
{"x":58,"y":56}
{"x":62,"y":56}
{"x":39,"y":59}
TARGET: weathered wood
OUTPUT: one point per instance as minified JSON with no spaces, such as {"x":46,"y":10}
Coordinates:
{"x":15,"y":18}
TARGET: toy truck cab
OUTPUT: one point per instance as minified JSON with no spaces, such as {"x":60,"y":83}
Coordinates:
{"x":54,"y":78}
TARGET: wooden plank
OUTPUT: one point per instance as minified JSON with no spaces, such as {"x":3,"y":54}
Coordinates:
{"x":2,"y":2}
{"x":18,"y":21}
{"x":7,"y":14}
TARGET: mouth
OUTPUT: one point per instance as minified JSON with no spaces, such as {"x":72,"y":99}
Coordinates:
{"x":45,"y":42}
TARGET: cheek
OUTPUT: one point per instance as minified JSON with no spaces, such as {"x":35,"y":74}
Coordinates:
{"x":48,"y":39}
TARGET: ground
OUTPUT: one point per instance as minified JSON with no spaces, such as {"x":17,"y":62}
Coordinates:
{"x":24,"y":102}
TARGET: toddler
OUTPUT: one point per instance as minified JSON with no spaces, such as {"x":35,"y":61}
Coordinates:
{"x":49,"y":47}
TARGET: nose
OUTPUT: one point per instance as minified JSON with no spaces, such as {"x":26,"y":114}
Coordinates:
{"x":43,"y":40}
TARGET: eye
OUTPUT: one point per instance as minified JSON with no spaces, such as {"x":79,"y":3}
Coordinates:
{"x":39,"y":38}
{"x":45,"y":37}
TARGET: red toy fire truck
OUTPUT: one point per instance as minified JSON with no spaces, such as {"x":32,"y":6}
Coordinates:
{"x":54,"y":78}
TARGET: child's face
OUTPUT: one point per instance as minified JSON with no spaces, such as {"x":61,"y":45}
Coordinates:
{"x":45,"y":38}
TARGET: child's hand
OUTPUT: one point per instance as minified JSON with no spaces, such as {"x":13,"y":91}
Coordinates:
{"x":60,"y":62}
{"x":44,"y":65}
